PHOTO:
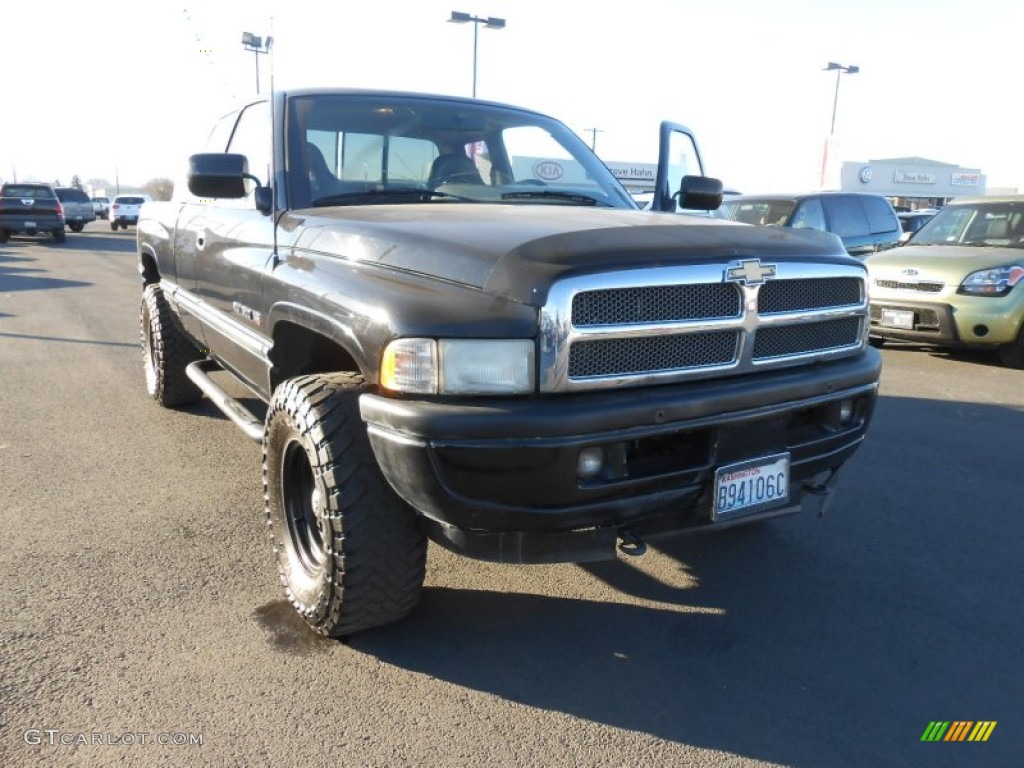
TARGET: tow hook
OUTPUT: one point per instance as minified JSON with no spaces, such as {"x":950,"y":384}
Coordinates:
{"x":822,"y":491}
{"x":630,"y":545}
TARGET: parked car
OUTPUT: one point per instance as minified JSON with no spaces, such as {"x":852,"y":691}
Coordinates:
{"x":30,"y":209}
{"x":125,"y":210}
{"x":958,"y":283}
{"x":101,"y":205}
{"x":864,"y":222}
{"x":912,"y":221}
{"x":78,"y":210}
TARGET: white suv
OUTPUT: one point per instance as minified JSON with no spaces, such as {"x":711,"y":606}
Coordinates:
{"x":125,"y":210}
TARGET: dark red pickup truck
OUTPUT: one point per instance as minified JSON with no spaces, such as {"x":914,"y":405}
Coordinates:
{"x":30,"y":209}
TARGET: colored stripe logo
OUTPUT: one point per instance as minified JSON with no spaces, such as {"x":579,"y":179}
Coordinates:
{"x":958,"y":730}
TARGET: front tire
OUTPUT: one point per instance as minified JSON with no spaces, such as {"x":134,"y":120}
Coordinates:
{"x":166,"y":352}
{"x":1012,"y":354}
{"x":350,"y":553}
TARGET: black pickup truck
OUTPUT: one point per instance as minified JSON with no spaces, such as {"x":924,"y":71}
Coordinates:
{"x":465,"y":330}
{"x":30,"y":209}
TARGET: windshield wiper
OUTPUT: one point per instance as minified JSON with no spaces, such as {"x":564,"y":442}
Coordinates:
{"x":569,"y":197}
{"x":393,"y":195}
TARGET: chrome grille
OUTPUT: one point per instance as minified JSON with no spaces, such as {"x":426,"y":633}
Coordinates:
{"x":810,"y":293}
{"x":808,"y":338}
{"x":656,"y":304}
{"x":691,"y":321}
{"x":926,"y":286}
{"x":647,"y":354}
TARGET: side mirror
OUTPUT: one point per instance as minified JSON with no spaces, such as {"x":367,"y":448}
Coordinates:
{"x":701,"y":193}
{"x":217,"y":174}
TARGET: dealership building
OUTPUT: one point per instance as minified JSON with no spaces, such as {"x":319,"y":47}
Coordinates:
{"x":912,"y":182}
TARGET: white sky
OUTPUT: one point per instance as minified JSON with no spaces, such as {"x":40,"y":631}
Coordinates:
{"x":132,"y":86}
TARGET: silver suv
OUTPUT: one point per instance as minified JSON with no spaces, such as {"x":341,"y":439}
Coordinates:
{"x":78,"y":210}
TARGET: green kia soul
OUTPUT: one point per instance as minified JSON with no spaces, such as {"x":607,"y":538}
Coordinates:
{"x":958,"y":282}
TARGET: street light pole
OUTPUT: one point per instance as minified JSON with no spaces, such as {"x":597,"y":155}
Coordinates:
{"x":830,"y":141}
{"x":490,"y":22}
{"x":840,"y":69}
{"x":257,"y":45}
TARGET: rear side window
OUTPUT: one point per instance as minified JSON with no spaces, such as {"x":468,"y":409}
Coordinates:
{"x":28,"y":190}
{"x":846,"y":216}
{"x":881,"y":216}
{"x":72,"y":195}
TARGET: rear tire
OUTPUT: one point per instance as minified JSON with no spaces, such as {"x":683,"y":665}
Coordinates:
{"x":58,"y":235}
{"x":350,"y":553}
{"x":75,"y":227}
{"x":1012,"y":354}
{"x":113,"y":226}
{"x":4,"y":235}
{"x":166,"y":352}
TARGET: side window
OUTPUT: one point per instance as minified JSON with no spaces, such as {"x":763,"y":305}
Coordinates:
{"x":809,"y":215}
{"x":881,"y":216}
{"x":252,"y":139}
{"x":846,"y":217}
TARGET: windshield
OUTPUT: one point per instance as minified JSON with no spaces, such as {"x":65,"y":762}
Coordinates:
{"x":981,"y":223}
{"x":763,"y":212}
{"x":364,"y":150}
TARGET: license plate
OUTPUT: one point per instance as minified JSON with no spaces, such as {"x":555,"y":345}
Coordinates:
{"x":30,"y":225}
{"x":898,"y":318}
{"x":751,"y":486}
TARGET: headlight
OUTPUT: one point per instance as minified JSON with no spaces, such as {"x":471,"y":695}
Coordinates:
{"x":459,"y":366}
{"x":992,"y":282}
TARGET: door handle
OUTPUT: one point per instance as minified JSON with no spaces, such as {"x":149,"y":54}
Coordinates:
{"x":200,"y":242}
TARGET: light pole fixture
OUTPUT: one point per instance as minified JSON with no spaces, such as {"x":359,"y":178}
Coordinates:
{"x":840,"y":69}
{"x":257,"y":45}
{"x":490,"y":22}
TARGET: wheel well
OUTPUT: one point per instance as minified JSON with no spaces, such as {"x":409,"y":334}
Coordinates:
{"x":148,"y":269}
{"x":298,"y":351}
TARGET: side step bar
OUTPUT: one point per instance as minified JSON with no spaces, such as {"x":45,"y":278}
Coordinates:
{"x":199,"y":372}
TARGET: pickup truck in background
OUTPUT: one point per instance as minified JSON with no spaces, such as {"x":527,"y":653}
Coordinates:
{"x":30,"y":209}
{"x":78,"y":210}
{"x":465,"y":330}
{"x":101,"y":206}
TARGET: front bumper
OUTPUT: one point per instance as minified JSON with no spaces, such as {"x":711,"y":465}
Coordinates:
{"x":968,"y":321}
{"x":497,"y":479}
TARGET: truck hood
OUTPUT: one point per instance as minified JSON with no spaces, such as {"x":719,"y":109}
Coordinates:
{"x":949,"y":263}
{"x":517,"y":251}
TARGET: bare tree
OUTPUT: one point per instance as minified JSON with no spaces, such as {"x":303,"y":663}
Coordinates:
{"x":159,"y":188}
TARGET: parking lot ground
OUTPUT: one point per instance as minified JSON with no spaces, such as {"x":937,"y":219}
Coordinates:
{"x":139,"y":605}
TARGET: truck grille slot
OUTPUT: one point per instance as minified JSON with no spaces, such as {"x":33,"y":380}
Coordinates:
{"x":650,"y":354}
{"x":786,"y":340}
{"x":656,"y":304}
{"x":922,"y":287}
{"x":808,"y":293}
